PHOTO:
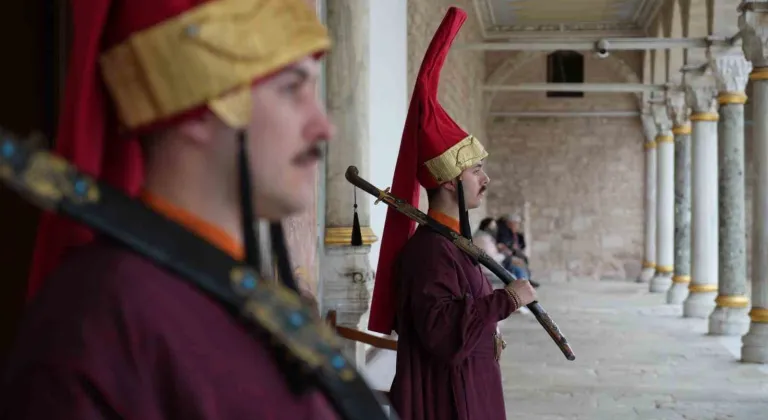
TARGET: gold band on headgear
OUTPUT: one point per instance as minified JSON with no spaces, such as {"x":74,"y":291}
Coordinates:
{"x":456,"y":159}
{"x":209,"y":55}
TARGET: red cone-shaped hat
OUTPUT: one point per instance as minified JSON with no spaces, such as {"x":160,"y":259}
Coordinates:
{"x":433,"y":150}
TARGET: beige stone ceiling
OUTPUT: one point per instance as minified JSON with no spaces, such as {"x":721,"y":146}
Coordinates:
{"x":503,"y":17}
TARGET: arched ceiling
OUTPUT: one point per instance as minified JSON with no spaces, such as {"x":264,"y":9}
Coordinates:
{"x":504,"y":18}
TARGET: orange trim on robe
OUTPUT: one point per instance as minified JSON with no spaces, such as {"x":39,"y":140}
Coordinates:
{"x":444,"y":219}
{"x":206,"y":230}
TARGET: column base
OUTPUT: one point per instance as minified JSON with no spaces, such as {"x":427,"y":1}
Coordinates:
{"x":346,"y":275}
{"x":660,"y":283}
{"x":646,"y":275}
{"x":699,"y":304}
{"x":754,"y":347}
{"x":729,"y":321}
{"x":677,"y":292}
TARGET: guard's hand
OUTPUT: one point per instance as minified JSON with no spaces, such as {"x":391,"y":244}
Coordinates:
{"x":523,"y":290}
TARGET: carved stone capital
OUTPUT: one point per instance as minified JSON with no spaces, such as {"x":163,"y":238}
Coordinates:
{"x":661,"y":118}
{"x":731,"y":72}
{"x":678,"y":109}
{"x":700,"y":91}
{"x":753,"y":24}
{"x":649,"y":127}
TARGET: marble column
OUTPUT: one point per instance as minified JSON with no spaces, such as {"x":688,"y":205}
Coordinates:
{"x":701,"y":95}
{"x":649,"y":254}
{"x":730,"y":315}
{"x":665,"y":202}
{"x":345,"y":270}
{"x":680,"y":113}
{"x":754,"y":33}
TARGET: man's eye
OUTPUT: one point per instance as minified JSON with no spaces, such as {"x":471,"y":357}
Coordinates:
{"x":292,"y":87}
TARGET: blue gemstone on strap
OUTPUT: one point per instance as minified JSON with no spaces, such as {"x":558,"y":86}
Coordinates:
{"x":249,"y":282}
{"x":296,"y":319}
{"x":8,"y":149}
{"x":338,"y":362}
{"x":81,"y":187}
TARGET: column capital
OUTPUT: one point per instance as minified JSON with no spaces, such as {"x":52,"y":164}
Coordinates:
{"x":649,"y":127}
{"x":700,"y":91}
{"x":731,"y":71}
{"x":661,"y":119}
{"x":678,"y":109}
{"x":753,"y":26}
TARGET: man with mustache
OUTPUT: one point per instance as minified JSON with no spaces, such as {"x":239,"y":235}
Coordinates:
{"x":173,"y":102}
{"x":433,"y":295}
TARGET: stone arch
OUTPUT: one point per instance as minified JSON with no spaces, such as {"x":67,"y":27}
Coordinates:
{"x":517,"y":61}
{"x":659,"y":58}
{"x":675,"y":57}
{"x":698,"y":25}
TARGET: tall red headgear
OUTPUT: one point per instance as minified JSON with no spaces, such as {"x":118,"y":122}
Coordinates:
{"x":433,"y":150}
{"x":138,"y":65}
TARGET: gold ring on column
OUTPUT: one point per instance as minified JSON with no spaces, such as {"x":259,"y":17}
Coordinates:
{"x":681,"y":279}
{"x":733,"y":301}
{"x":681,"y":129}
{"x":759,"y":315}
{"x":759,"y":73}
{"x":342,"y":235}
{"x":725,"y":98}
{"x":664,"y":269}
{"x":702,"y":288}
{"x":664,"y":138}
{"x":705,"y":116}
{"x":648,"y":264}
{"x":649,"y":145}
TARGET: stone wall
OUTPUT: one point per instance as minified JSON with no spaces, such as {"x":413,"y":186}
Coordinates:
{"x":583,"y":177}
{"x":461,"y":79}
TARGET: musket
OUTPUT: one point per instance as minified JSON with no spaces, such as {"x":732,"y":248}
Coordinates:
{"x":269,"y":308}
{"x":465,"y":245}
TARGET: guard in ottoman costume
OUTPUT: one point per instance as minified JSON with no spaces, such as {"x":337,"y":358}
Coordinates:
{"x":427,"y":290}
{"x":205,"y":85}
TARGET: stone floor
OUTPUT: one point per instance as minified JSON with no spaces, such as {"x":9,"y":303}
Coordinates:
{"x":636,"y":359}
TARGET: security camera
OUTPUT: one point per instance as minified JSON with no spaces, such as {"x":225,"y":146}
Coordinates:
{"x":601,"y":49}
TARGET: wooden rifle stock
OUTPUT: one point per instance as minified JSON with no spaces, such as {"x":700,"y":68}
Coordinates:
{"x":465,"y":245}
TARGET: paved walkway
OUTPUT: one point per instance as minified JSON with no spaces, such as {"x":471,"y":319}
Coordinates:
{"x":636,"y":359}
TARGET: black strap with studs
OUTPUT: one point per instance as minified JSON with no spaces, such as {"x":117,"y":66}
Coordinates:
{"x":269,"y":308}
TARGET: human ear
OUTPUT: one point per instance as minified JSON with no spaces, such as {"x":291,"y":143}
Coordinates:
{"x":201,"y":130}
{"x":450,"y":186}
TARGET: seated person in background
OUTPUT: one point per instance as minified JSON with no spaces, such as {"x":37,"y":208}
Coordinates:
{"x":510,"y":237}
{"x":485,"y":239}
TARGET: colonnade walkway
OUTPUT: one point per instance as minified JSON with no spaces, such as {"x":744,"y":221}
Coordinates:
{"x":636,"y":359}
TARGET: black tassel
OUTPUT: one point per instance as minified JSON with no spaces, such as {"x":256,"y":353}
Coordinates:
{"x":357,"y":233}
{"x":291,"y":368}
{"x":284,"y":272}
{"x":250,"y":229}
{"x":466,"y":229}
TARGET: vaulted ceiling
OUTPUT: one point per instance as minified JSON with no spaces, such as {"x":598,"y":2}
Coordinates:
{"x":513,"y":18}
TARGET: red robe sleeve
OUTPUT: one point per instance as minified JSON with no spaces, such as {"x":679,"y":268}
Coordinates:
{"x":448,"y":320}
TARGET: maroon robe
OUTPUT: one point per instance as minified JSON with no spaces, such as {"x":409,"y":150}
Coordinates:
{"x":113,"y":336}
{"x":446,"y":318}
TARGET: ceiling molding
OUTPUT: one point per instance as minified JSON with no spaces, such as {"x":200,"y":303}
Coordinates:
{"x":493,"y":27}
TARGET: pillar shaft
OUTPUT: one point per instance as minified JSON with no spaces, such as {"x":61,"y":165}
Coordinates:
{"x":754,"y":31}
{"x":680,"y":113}
{"x":701,"y":96}
{"x":682,"y":277}
{"x":649,"y":254}
{"x":345,"y":270}
{"x":755,"y":342}
{"x":665,"y":202}
{"x":730,"y":315}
